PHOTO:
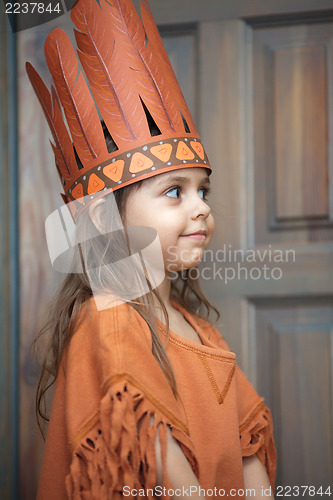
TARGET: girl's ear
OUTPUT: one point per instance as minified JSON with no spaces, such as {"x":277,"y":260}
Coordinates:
{"x":97,"y":214}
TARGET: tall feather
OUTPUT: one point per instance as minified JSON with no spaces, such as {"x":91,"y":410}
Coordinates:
{"x":151,"y":80}
{"x":110,"y":78}
{"x":82,"y":116}
{"x":63,"y":148}
{"x":158,"y":48}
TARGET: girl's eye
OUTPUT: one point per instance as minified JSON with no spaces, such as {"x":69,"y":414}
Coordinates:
{"x":173,"y":192}
{"x":204,"y":192}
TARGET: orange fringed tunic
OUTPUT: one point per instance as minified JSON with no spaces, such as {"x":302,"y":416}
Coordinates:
{"x":111,"y":395}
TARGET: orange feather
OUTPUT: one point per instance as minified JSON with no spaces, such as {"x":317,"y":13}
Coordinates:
{"x":63,"y":148}
{"x":158,"y":48}
{"x":82,"y":116}
{"x":146,"y":67}
{"x":110,"y":78}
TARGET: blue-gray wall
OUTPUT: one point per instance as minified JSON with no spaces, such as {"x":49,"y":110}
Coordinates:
{"x":9,"y":306}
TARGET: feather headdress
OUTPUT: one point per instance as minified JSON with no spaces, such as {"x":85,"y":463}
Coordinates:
{"x":131,"y":91}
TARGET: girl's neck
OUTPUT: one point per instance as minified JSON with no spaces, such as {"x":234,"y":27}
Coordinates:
{"x":164,"y":290}
{"x":177,"y":322}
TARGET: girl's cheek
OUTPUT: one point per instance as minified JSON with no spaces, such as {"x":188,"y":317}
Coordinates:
{"x":211,"y":226}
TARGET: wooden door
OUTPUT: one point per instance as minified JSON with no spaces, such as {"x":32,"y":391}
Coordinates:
{"x":267,"y":117}
{"x":259,"y":84}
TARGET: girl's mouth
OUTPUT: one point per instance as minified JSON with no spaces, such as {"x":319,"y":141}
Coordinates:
{"x":198,"y":235}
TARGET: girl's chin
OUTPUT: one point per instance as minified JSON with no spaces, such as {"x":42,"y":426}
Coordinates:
{"x":174,"y":268}
{"x":189,"y":260}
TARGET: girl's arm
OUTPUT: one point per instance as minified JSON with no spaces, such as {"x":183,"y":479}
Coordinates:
{"x":255,"y":478}
{"x":179,"y":470}
{"x":182,"y":477}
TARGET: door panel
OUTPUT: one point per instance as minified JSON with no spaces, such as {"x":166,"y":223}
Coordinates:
{"x":294,"y":346}
{"x":293,"y":164}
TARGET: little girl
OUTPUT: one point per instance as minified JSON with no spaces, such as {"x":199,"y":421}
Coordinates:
{"x":148,"y":398}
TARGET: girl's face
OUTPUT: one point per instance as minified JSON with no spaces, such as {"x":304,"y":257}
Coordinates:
{"x":175,"y":205}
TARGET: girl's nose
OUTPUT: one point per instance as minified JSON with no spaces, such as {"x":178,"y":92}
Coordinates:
{"x":200,"y":208}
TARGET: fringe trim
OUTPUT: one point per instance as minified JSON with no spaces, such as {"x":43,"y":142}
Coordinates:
{"x":120,"y":450}
{"x":256,"y":436}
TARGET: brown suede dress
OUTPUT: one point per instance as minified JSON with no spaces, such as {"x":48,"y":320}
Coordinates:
{"x":111,"y":395}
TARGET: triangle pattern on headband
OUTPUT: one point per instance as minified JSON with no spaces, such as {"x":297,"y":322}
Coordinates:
{"x":95,"y":184}
{"x":198,"y":148}
{"x":162,"y":152}
{"x":114,"y":171}
{"x":77,"y":193}
{"x":140,"y":162}
{"x":184,"y":152}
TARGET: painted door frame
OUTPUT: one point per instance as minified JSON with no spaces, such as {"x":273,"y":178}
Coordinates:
{"x":9,"y":266}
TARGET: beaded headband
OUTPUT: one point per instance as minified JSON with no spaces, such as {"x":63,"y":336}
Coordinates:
{"x":132,"y":90}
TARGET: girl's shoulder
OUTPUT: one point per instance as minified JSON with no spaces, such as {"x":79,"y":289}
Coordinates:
{"x":110,"y":334}
{"x":112,"y":318}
